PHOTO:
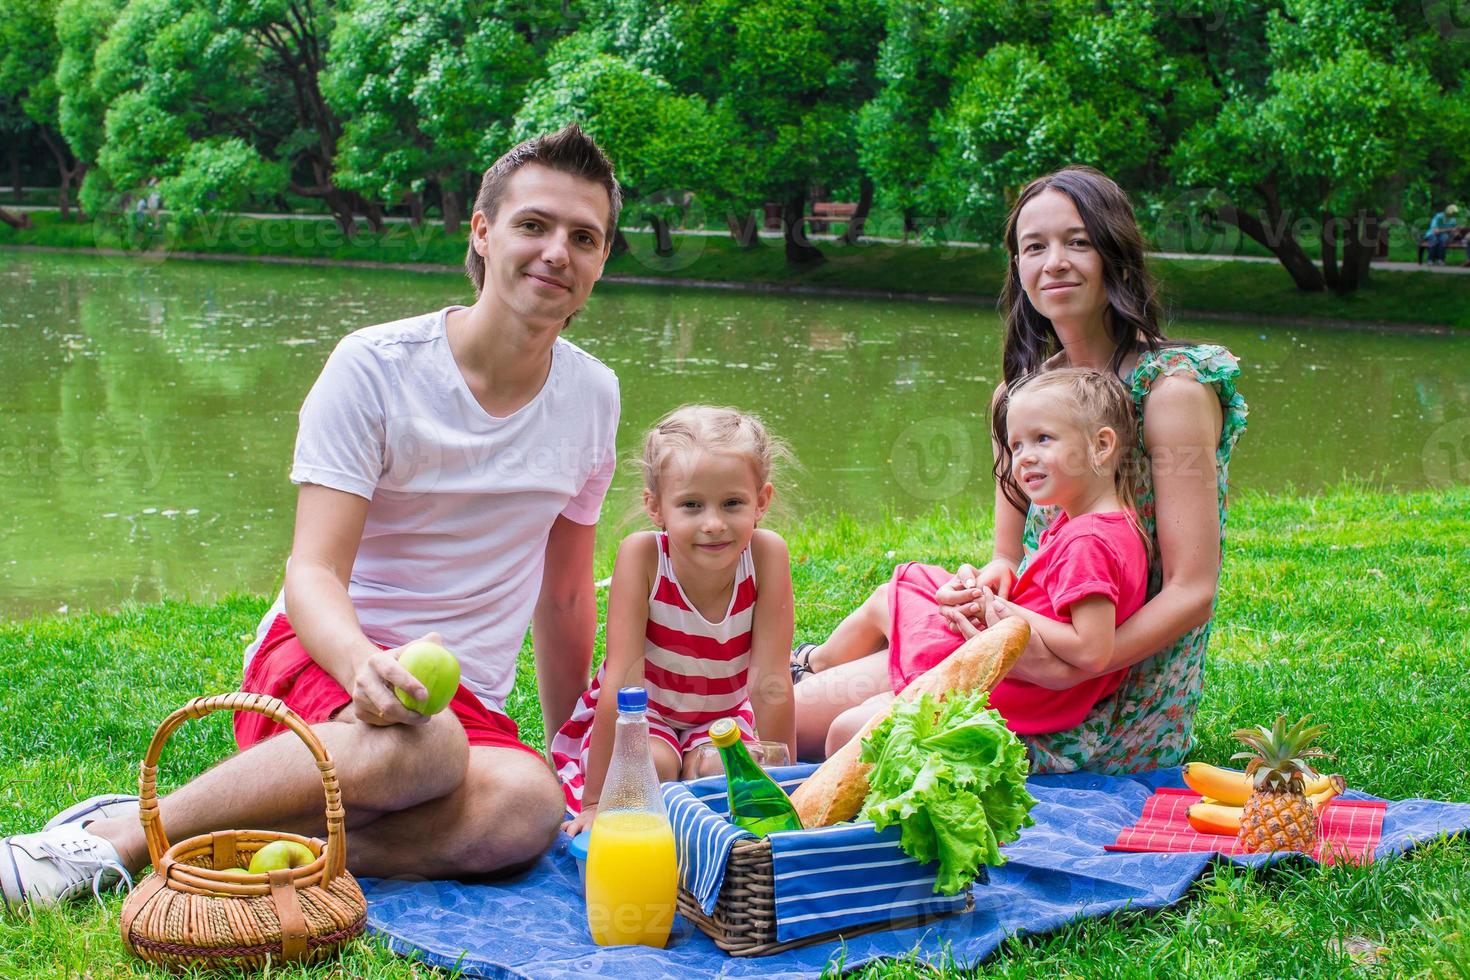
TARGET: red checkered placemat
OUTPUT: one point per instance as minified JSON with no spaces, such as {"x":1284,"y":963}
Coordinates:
{"x":1349,"y":829}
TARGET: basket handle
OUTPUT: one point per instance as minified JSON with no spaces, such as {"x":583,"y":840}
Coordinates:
{"x":335,"y":851}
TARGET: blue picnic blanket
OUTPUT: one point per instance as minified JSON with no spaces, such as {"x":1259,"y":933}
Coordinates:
{"x":534,"y":925}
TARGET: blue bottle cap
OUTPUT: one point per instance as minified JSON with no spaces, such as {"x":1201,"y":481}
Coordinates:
{"x":632,"y":699}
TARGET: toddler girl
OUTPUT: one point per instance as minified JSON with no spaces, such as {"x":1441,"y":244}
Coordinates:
{"x":1068,"y":435}
{"x":700,"y":610}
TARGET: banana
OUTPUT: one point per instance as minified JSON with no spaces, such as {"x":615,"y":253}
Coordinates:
{"x":1321,"y":783}
{"x":1232,"y":788}
{"x":1215,"y":818}
{"x":1335,"y":786}
{"x":1225,"y":785}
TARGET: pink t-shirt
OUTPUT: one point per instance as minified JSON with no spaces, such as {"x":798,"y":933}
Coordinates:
{"x":1095,"y":554}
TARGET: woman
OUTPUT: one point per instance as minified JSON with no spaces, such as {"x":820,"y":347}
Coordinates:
{"x":1078,"y":294}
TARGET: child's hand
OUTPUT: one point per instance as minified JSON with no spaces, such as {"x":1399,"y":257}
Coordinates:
{"x":995,"y":608}
{"x":582,"y":821}
{"x":961,"y":589}
{"x":959,"y":622}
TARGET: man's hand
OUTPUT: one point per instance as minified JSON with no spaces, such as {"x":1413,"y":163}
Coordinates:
{"x":374,"y":701}
{"x":582,"y":821}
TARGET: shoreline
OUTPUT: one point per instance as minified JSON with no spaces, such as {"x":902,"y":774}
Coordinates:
{"x":787,"y":289}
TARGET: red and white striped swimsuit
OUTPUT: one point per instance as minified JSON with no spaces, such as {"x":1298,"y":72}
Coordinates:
{"x":695,"y":672}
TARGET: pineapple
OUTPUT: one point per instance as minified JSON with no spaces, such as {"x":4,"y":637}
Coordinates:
{"x":1277,"y":815}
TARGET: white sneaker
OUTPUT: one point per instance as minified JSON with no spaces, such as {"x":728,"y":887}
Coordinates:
{"x":103,"y":807}
{"x":56,"y":865}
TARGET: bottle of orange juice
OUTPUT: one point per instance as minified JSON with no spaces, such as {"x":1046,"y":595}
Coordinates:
{"x":632,"y":876}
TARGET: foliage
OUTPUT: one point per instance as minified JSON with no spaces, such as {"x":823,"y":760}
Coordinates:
{"x":427,"y":90}
{"x":81,"y":27}
{"x":28,"y":54}
{"x":663,"y":144}
{"x":175,"y":79}
{"x":1336,"y":139}
{"x":1310,"y":125}
{"x":237,"y":77}
{"x":784,"y":79}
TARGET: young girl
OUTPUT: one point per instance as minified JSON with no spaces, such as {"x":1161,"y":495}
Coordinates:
{"x":1068,"y":437}
{"x":700,"y":611}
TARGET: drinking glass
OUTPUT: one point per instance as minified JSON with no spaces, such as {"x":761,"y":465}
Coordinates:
{"x":767,"y":755}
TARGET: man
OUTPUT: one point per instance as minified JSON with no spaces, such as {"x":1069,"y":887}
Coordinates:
{"x":1441,"y":228}
{"x":452,"y":467}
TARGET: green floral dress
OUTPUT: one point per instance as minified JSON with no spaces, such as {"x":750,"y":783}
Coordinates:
{"x":1147,"y":722}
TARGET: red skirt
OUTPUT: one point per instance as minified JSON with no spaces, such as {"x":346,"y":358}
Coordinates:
{"x":919,"y":637}
{"x":283,"y":669}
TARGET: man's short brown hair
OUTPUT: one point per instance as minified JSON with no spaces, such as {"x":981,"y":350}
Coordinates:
{"x":569,"y":150}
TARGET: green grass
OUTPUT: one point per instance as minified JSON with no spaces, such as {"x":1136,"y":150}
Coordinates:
{"x":1196,"y":285}
{"x":1350,"y":605}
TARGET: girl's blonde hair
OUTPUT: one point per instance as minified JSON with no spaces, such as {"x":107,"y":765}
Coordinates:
{"x":1094,"y":400}
{"x":713,"y":429}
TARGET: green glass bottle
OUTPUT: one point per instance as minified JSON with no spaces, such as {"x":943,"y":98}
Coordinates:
{"x":756,"y":802}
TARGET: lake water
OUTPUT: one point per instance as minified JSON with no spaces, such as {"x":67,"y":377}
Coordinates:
{"x":149,"y":410}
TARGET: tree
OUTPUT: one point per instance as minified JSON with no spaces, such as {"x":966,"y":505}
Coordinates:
{"x":427,"y":90}
{"x":786,"y":75}
{"x":925,"y":44}
{"x":81,"y":27}
{"x":29,"y":51}
{"x":220,"y":101}
{"x":663,"y":144}
{"x":794,"y":74}
{"x":1079,"y":86}
{"x":1361,"y":105}
{"x":17,"y":132}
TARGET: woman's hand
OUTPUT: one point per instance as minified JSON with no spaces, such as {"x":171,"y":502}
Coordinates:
{"x":999,"y":576}
{"x":582,"y":821}
{"x":374,"y":702}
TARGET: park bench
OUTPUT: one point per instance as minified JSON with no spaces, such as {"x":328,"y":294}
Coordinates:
{"x":1458,"y":237}
{"x":826,"y":213}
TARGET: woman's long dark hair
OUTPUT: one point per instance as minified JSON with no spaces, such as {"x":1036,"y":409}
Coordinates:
{"x":1132,"y":317}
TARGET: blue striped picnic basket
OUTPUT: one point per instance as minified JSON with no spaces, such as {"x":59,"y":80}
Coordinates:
{"x":755,"y":896}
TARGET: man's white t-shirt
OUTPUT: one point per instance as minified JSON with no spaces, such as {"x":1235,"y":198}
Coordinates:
{"x":461,"y":502}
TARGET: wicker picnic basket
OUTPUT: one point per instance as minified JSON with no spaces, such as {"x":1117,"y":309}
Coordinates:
{"x":186,"y":913}
{"x":744,"y":919}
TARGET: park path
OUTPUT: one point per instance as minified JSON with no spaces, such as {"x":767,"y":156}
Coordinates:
{"x":1453,"y":268}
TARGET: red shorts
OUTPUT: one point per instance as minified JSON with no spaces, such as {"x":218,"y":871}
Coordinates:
{"x":283,"y":669}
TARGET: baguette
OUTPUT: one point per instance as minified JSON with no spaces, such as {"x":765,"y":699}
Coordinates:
{"x":835,"y":792}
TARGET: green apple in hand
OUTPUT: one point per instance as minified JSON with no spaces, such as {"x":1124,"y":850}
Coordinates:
{"x":436,"y":668}
{"x":280,"y":854}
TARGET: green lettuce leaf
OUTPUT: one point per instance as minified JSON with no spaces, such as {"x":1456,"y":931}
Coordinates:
{"x":953,"y":778}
